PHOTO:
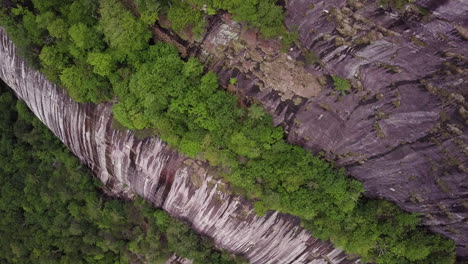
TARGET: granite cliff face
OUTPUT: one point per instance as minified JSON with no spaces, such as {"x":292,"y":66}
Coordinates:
{"x":402,"y":129}
{"x":183,"y":187}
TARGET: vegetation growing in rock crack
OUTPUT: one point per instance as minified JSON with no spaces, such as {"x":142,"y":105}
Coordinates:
{"x":341,"y":85}
{"x":101,"y":51}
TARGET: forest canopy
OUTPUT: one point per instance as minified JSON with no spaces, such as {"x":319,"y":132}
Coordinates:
{"x":54,"y":212}
{"x":102,"y":52}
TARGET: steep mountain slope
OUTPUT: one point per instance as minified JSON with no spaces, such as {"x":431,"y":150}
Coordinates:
{"x":183,"y":187}
{"x":402,"y":129}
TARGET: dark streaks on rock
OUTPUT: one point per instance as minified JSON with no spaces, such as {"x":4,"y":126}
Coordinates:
{"x":183,"y":187}
{"x":402,"y":130}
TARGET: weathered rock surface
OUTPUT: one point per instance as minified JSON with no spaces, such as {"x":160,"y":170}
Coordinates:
{"x":402,"y":129}
{"x":183,"y":187}
{"x":230,"y":45}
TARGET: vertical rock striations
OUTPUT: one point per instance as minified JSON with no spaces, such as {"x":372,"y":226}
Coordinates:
{"x":402,"y":129}
{"x":185,"y":188}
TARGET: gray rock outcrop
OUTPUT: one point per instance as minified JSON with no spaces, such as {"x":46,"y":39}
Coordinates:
{"x":401,"y":129}
{"x":183,"y":187}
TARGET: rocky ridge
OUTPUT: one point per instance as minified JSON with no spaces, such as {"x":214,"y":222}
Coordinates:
{"x":401,"y":130}
{"x":183,"y":187}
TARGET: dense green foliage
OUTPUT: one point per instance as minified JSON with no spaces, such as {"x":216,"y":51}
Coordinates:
{"x":264,"y":15}
{"x":52,"y":211}
{"x":155,"y":89}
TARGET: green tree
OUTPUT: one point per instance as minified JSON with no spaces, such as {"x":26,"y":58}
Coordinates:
{"x":58,"y":28}
{"x":103,"y":63}
{"x":85,"y":37}
{"x":340,"y":84}
{"x":132,"y":34}
{"x":53,"y":56}
{"x":83,"y":86}
{"x":184,"y":16}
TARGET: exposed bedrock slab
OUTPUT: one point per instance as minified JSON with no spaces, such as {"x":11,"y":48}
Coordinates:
{"x":402,"y":129}
{"x":183,"y":187}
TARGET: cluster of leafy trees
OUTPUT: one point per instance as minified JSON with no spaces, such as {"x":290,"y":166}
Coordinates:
{"x":106,"y":55}
{"x":52,"y":211}
{"x":264,"y":15}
